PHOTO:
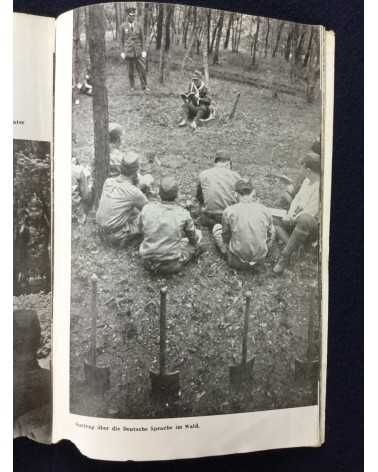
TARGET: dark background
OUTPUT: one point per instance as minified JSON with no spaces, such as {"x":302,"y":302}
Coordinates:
{"x":343,"y":449}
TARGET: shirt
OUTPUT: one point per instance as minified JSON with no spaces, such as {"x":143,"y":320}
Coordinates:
{"x":79,"y":184}
{"x":247,"y":228}
{"x":218,"y":188}
{"x":115,"y":160}
{"x":120,"y":203}
{"x":306,"y":200}
{"x":164,"y":225}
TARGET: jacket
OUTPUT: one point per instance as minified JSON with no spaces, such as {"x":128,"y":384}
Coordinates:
{"x":132,"y":39}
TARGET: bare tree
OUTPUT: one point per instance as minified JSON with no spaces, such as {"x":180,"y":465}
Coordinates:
{"x":162,"y":60}
{"x":96,"y":29}
{"x":267,"y":36}
{"x":218,"y":38}
{"x":278,"y":37}
{"x":205,"y":49}
{"x":255,"y":42}
{"x":76,"y":44}
{"x":228,"y":31}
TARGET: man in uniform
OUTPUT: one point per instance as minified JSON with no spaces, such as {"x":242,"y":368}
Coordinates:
{"x":170,"y":238}
{"x":247,"y":229}
{"x":216,"y":189}
{"x":120,"y":204}
{"x":133,"y":49}
{"x":302,"y":219}
{"x":196,"y":102}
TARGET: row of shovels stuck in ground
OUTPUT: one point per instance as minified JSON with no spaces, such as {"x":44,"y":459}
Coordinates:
{"x":166,"y":385}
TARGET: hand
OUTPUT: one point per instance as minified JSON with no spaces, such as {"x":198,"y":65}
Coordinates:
{"x":123,"y":55}
{"x":144,"y":54}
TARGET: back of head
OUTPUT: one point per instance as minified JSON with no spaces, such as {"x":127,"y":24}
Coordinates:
{"x":312,"y":161}
{"x":129,"y":164}
{"x":168,"y":189}
{"x":244,"y":186}
{"x":222,"y":156}
{"x":115,"y":133}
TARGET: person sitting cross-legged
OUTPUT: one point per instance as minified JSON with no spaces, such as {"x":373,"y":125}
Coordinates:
{"x":301,"y":221}
{"x":120,"y":204}
{"x":196,"y":102}
{"x":170,"y":239}
{"x":216,"y":189}
{"x":247,"y":229}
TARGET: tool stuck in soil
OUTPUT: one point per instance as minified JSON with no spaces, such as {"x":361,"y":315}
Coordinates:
{"x":243,"y":373}
{"x":164,"y":386}
{"x":308,"y":368}
{"x":97,"y":378}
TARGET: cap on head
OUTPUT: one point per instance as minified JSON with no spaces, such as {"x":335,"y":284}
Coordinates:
{"x":168,"y":190}
{"x":115,"y":132}
{"x":222,"y":156}
{"x":312,"y":161}
{"x":131,"y":10}
{"x":130,"y":163}
{"x":197,"y":74}
{"x":26,"y":331}
{"x":244,"y":186}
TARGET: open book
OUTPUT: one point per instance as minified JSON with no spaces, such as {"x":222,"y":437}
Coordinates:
{"x":172,"y":182}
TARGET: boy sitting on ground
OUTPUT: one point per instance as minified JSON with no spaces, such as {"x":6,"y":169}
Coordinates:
{"x":247,"y":229}
{"x":301,"y":221}
{"x":170,"y":238}
{"x":196,"y":102}
{"x":120,"y":204}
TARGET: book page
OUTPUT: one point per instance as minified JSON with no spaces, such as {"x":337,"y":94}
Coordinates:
{"x":192,"y":226}
{"x":34,"y":39}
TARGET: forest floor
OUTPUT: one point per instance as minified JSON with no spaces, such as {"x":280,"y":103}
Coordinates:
{"x":205,"y":302}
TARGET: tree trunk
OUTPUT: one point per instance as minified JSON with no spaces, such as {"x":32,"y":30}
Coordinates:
{"x":76,"y":44}
{"x":299,"y":49}
{"x":159,"y":26}
{"x":96,"y":38}
{"x":189,"y":49}
{"x":205,"y":50}
{"x":117,"y":20}
{"x":86,"y":24}
{"x":240,"y":25}
{"x":186,"y":27}
{"x":168,"y":23}
{"x":228,"y":31}
{"x":279,"y":32}
{"x":162,"y":61}
{"x":308,"y":53}
{"x":218,"y":38}
{"x":255,"y":42}
{"x":288,"y":43}
{"x":267,"y":36}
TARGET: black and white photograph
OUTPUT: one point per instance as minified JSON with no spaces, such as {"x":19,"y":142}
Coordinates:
{"x":32,"y":407}
{"x":197,"y":172}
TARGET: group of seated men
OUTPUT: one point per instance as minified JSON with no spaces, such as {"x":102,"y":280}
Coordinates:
{"x":243,"y":229}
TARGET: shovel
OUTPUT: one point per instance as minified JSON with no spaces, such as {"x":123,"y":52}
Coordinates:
{"x":242,"y":373}
{"x":97,"y":378}
{"x":164,"y":385}
{"x":308,"y":369}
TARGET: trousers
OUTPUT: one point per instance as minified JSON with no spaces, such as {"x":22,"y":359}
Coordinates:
{"x":137,"y":63}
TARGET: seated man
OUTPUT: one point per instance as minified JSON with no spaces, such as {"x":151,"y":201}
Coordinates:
{"x":170,"y":237}
{"x":120,"y":204}
{"x":247,"y":229}
{"x":216,"y":189}
{"x":293,"y":187}
{"x":196,"y":101}
{"x":301,"y":221}
{"x":81,"y":192}
{"x":145,"y":181}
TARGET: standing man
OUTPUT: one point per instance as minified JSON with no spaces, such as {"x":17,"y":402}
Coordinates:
{"x":133,"y":49}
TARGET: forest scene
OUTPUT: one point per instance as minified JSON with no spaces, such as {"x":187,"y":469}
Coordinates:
{"x":263,"y":77}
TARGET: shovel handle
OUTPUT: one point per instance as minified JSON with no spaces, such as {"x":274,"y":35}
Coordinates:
{"x":94,"y":280}
{"x":248,"y":297}
{"x":163,"y":329}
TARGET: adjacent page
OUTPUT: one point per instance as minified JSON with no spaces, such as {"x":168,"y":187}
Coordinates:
{"x":34,"y":40}
{"x":173,"y":336}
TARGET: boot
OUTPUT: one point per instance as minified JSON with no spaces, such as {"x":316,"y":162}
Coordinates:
{"x":297,"y":238}
{"x":182,"y":122}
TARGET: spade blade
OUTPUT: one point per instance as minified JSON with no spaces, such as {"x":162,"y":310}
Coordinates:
{"x":97,"y":378}
{"x":165,"y":387}
{"x":242,"y":374}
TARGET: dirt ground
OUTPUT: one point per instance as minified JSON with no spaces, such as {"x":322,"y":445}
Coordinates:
{"x":205,"y":302}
